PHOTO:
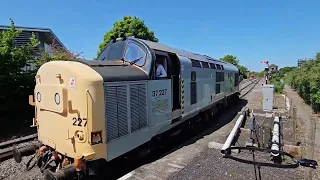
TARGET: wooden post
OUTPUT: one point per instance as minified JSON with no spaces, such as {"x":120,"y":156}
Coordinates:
{"x":310,"y":148}
{"x":290,"y":108}
{"x":294,"y":124}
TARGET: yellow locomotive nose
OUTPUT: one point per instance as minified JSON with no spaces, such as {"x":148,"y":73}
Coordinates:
{"x":65,"y":95}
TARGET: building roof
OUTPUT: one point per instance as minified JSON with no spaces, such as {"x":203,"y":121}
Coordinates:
{"x":45,"y":31}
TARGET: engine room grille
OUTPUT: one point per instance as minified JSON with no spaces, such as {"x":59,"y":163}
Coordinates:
{"x":116,"y":111}
{"x":119,"y":100}
{"x":138,"y":106}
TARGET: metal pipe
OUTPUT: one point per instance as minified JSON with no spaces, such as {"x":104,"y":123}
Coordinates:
{"x":275,"y":136}
{"x":233,"y":132}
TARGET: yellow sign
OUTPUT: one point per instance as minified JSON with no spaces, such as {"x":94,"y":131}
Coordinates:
{"x":160,"y":105}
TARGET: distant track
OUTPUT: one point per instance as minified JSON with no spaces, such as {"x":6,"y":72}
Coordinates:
{"x":254,"y":83}
{"x":6,"y":152}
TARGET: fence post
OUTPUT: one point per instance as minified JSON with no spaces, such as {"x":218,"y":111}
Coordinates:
{"x":290,"y":108}
{"x":310,"y":148}
{"x":294,"y":124}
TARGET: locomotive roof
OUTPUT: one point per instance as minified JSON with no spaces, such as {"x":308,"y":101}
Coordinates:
{"x":181,"y":52}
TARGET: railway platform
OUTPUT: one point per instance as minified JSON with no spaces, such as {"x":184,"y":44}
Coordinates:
{"x":210,"y":164}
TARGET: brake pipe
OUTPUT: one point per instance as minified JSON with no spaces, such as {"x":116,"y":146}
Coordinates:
{"x":233,"y":133}
{"x":275,"y":147}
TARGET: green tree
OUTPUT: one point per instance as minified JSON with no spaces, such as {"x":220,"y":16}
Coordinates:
{"x":235,"y":61}
{"x":15,"y":83}
{"x":13,"y":60}
{"x":306,"y":81}
{"x":230,"y":59}
{"x":130,"y":26}
{"x":243,"y":70}
{"x":56,"y":53}
{"x":283,"y":71}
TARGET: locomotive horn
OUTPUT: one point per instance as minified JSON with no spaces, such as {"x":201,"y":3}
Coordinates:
{"x":18,"y":153}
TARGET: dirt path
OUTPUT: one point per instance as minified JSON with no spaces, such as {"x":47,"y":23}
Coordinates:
{"x":304,"y":116}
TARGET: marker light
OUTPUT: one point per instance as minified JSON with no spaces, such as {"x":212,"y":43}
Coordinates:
{"x":57,"y":98}
{"x":96,"y":137}
{"x":38,"y":96}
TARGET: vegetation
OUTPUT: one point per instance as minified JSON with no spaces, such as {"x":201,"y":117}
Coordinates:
{"x":278,"y":83}
{"x":277,"y":78}
{"x":56,"y":53}
{"x":129,"y":26}
{"x":257,"y":74}
{"x":16,"y":84}
{"x":235,"y":61}
{"x":306,"y":81}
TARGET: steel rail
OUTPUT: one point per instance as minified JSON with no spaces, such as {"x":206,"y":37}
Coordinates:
{"x":254,"y":84}
{"x":17,"y":140}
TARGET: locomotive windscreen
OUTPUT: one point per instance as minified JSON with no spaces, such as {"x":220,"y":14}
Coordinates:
{"x":114,"y":51}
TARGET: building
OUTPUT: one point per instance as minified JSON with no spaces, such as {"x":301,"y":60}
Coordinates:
{"x":301,"y":61}
{"x":44,"y":35}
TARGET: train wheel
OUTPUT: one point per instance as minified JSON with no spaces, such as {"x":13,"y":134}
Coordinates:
{"x":204,"y":117}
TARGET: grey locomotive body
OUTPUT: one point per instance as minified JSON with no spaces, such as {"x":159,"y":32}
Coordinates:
{"x":140,"y":106}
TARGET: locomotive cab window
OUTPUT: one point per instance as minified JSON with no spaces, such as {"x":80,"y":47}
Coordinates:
{"x":135,"y":53}
{"x":113,"y":51}
{"x":129,"y":52}
{"x":161,"y":69}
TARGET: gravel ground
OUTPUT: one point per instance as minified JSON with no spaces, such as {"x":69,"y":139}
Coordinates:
{"x":16,"y":171}
{"x":254,"y":98}
{"x":9,"y":169}
{"x":211,"y":165}
{"x":305,"y":127}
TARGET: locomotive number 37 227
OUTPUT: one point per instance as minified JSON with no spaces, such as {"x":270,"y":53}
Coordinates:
{"x":160,"y":92}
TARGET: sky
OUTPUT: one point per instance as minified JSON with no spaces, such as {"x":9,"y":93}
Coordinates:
{"x":278,"y":31}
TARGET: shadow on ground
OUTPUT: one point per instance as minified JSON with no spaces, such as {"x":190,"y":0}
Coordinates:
{"x":130,"y":161}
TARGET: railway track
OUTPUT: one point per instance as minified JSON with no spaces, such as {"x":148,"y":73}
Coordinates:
{"x":248,"y":87}
{"x":6,"y":147}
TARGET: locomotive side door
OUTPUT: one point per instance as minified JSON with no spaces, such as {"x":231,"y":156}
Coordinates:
{"x":160,"y":92}
{"x":171,"y":64}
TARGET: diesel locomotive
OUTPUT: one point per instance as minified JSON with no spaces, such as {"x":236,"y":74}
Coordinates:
{"x":88,"y":113}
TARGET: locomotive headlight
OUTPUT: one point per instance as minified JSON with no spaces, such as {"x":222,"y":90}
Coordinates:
{"x":96,"y":137}
{"x":57,"y":98}
{"x":38,"y":96}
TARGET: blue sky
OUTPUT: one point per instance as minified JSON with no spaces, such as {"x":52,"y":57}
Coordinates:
{"x":278,"y":31}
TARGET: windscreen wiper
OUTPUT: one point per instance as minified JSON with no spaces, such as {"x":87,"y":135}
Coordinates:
{"x":136,"y":60}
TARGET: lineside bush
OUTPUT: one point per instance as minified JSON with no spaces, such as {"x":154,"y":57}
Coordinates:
{"x":278,"y":84}
{"x":306,"y":81}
